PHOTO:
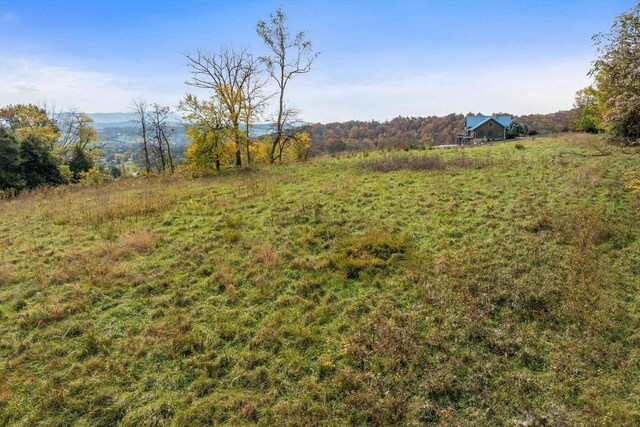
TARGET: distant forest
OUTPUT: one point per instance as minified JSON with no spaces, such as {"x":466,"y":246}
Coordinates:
{"x":403,"y":132}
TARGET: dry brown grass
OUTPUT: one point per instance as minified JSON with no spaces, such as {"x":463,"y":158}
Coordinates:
{"x":69,"y":205}
{"x":399,"y":162}
{"x":141,"y":241}
{"x":266,"y":255}
{"x":8,"y":274}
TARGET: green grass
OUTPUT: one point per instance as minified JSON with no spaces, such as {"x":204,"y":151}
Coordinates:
{"x":498,"y":289}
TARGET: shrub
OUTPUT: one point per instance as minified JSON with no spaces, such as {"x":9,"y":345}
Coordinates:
{"x":517,"y":128}
{"x":93,"y":176}
{"x":80,"y":163}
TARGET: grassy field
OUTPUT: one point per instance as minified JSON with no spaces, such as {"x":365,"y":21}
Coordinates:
{"x":497,"y":285}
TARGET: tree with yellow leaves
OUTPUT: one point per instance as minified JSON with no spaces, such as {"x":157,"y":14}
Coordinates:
{"x":24,"y":120}
{"x":233,"y":77}
{"x":206,"y":129}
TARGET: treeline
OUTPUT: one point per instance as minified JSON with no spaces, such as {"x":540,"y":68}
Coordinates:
{"x":405,"y":132}
{"x":612,"y":103}
{"x":39,"y":146}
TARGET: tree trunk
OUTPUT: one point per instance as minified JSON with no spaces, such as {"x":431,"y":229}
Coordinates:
{"x":248,"y":143}
{"x":236,"y":138}
{"x":145,"y":146}
{"x":279,"y":122}
{"x":168,"y":152}
{"x":163,"y":162}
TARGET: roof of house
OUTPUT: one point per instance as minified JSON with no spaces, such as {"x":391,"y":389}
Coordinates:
{"x":472,"y":122}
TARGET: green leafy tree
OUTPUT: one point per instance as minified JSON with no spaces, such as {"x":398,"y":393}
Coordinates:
{"x":11,"y":175}
{"x":588,"y":106}
{"x":115,"y":172}
{"x":80,"y":162}
{"x":517,"y":128}
{"x":617,"y":77}
{"x":39,"y":167}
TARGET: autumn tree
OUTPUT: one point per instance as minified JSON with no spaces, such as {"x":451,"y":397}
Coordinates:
{"x":291,"y":55}
{"x":206,"y":129}
{"x":233,"y":78}
{"x":23,"y":120}
{"x":254,"y":104}
{"x":301,"y":145}
{"x":617,"y":78}
{"x":27,"y":148}
{"x":77,"y":133}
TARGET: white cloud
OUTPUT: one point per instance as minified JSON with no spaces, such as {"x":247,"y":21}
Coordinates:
{"x":518,"y":87}
{"x":25,"y":80}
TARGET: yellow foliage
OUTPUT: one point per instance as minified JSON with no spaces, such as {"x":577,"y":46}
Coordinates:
{"x":94,"y":177}
{"x":205,"y":148}
{"x":301,"y":145}
{"x":632,"y":182}
{"x":29,"y":120}
{"x":260,"y":150}
{"x":66,"y":172}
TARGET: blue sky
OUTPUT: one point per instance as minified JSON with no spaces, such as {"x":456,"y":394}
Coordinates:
{"x":379,"y":59}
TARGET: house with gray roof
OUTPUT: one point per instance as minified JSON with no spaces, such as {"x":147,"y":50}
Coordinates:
{"x":484,"y":128}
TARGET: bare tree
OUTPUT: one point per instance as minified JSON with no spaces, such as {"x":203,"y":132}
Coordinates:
{"x":140,"y":107}
{"x":229,"y":74}
{"x":166,"y":132}
{"x":255,"y":102}
{"x":290,"y":56}
{"x":160,"y":130}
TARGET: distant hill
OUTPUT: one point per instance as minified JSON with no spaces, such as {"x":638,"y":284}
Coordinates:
{"x":412,"y":131}
{"x":113,"y":118}
{"x":114,"y":126}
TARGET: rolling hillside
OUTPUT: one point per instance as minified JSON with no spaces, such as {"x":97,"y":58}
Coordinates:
{"x":495,"y":285}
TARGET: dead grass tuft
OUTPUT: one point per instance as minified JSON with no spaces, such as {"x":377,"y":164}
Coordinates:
{"x":397,"y":162}
{"x":8,"y":274}
{"x":266,"y":255}
{"x":141,"y":241}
